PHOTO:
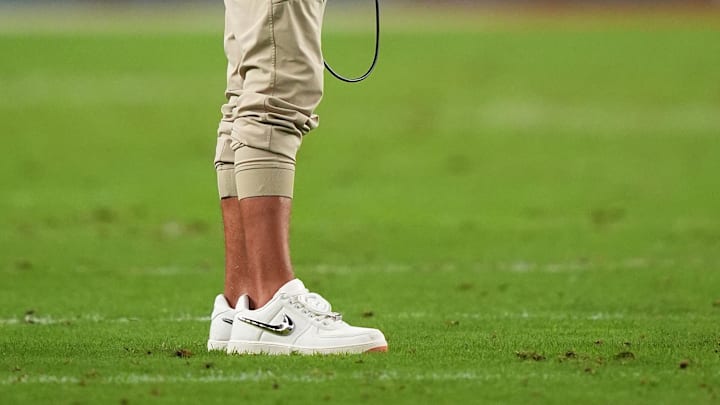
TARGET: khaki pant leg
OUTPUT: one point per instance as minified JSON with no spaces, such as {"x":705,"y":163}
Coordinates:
{"x":281,"y":71}
{"x":224,"y":155}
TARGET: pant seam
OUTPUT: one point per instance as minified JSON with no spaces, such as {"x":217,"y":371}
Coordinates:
{"x":273,"y":73}
{"x":273,"y":44}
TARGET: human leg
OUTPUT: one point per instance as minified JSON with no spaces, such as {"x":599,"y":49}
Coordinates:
{"x":237,"y":277}
{"x":237,"y":281}
{"x":266,"y":221}
{"x":281,"y":69}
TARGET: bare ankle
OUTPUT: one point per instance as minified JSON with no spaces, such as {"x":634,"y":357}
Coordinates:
{"x":231,"y":299}
{"x":267,"y":291}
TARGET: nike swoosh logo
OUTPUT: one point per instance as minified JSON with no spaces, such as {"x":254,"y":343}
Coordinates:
{"x":284,"y":328}
{"x":228,"y":320}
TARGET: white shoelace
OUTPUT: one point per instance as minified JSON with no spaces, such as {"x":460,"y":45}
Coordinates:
{"x":315,"y":306}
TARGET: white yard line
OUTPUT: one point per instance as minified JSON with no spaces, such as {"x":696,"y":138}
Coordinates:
{"x":95,"y":318}
{"x":518,"y":265}
{"x":260,"y":376}
{"x":515,"y":266}
{"x":419,"y":315}
{"x":219,"y":377}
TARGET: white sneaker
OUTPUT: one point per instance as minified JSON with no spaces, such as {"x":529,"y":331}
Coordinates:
{"x":221,"y":322}
{"x":298,"y":321}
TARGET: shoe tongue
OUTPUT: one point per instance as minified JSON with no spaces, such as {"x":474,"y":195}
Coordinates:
{"x":243,"y":302}
{"x":293,"y":287}
{"x":318,"y":303}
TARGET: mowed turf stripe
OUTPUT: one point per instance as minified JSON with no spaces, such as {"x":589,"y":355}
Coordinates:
{"x":251,"y":377}
{"x":261,"y":376}
{"x":511,"y":266}
{"x":487,"y":316}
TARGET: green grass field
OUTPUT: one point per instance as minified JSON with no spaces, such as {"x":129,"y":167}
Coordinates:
{"x":529,"y":207}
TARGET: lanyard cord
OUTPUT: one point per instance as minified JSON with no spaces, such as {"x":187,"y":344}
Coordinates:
{"x":375,"y":57}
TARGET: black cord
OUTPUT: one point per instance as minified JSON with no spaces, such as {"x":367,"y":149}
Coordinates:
{"x":375,"y":57}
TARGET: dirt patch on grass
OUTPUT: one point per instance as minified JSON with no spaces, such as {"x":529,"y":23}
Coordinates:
{"x":602,"y":217}
{"x":529,"y":355}
{"x":27,"y":264}
{"x":625,"y":356}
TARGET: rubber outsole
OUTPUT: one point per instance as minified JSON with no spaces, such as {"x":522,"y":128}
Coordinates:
{"x":247,"y":347}
{"x":217,"y":345}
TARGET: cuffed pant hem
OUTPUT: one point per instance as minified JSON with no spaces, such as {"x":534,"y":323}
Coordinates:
{"x":265,"y":182}
{"x":226,"y":182}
